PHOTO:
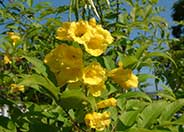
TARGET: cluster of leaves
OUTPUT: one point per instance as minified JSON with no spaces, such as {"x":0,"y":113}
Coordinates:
{"x":139,"y":37}
{"x":176,"y":47}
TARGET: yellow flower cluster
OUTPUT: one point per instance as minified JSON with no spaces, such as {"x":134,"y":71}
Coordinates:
{"x":107,"y":103}
{"x":66,"y":63}
{"x":14,"y":37}
{"x":98,"y":121}
{"x":94,"y":38}
{"x":94,"y":75}
{"x":16,"y":88}
{"x":124,"y":77}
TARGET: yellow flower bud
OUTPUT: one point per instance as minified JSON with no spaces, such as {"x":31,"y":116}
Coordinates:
{"x":17,"y":88}
{"x":13,"y":37}
{"x":124,"y":77}
{"x":7,"y":60}
{"x":107,"y":103}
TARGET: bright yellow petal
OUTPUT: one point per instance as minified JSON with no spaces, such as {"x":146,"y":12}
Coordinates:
{"x":94,"y":74}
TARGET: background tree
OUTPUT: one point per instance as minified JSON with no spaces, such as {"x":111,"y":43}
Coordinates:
{"x":175,"y":74}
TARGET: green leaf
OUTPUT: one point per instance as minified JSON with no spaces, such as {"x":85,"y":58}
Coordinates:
{"x":34,"y":79}
{"x":38,"y":65}
{"x":140,"y":51}
{"x":73,"y":99}
{"x":30,"y":3}
{"x":109,"y":63}
{"x":145,"y":130}
{"x":154,"y":54}
{"x":147,"y":11}
{"x":136,"y":95}
{"x":7,"y":125}
{"x":150,"y":114}
{"x":128,"y":61}
{"x":170,"y":110}
{"x":144,"y":77}
{"x":136,"y":104}
{"x":128,"y":118}
{"x":167,"y":93}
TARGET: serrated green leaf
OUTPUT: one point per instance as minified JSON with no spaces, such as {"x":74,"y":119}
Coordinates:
{"x":38,"y":65}
{"x":136,"y":95}
{"x":150,"y":114}
{"x":136,"y":104}
{"x":128,"y":118}
{"x":127,"y":61}
{"x":34,"y":79}
{"x":140,"y":51}
{"x":160,"y":54}
{"x":73,"y":99}
{"x":144,"y":77}
{"x":171,"y":109}
{"x":109,"y":63}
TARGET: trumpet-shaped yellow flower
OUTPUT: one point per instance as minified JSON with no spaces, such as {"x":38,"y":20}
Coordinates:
{"x":7,"y":60}
{"x":98,"y":121}
{"x":124,"y":77}
{"x":13,"y":37}
{"x":94,"y":38}
{"x":107,"y":103}
{"x":96,"y":90}
{"x":17,"y":88}
{"x":92,"y":22}
{"x":62,"y":32}
{"x":66,"y":63}
{"x":98,"y":43}
{"x":80,"y":31}
{"x":94,"y":74}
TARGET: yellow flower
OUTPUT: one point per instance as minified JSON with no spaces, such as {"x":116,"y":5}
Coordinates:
{"x":66,"y":63}
{"x":98,"y":121}
{"x":13,"y":37}
{"x":94,"y":38}
{"x":94,"y":74}
{"x":62,"y":32}
{"x":80,"y":31}
{"x":124,"y":77}
{"x":92,"y":22}
{"x":96,"y":90}
{"x":7,"y":60}
{"x":97,"y":44}
{"x":107,"y":103}
{"x":16,"y":88}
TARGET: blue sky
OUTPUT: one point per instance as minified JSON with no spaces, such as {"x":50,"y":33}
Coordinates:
{"x":167,"y":4}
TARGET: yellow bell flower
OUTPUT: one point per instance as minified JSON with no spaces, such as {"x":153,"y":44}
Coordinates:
{"x":13,"y":37}
{"x":66,"y":63}
{"x":98,"y":121}
{"x":124,"y":77}
{"x":96,"y":90}
{"x":80,"y":31}
{"x":92,"y":22}
{"x":17,"y":88}
{"x":98,"y":43}
{"x":94,"y":74}
{"x":7,"y":60}
{"x":62,"y":32}
{"x":107,"y":103}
